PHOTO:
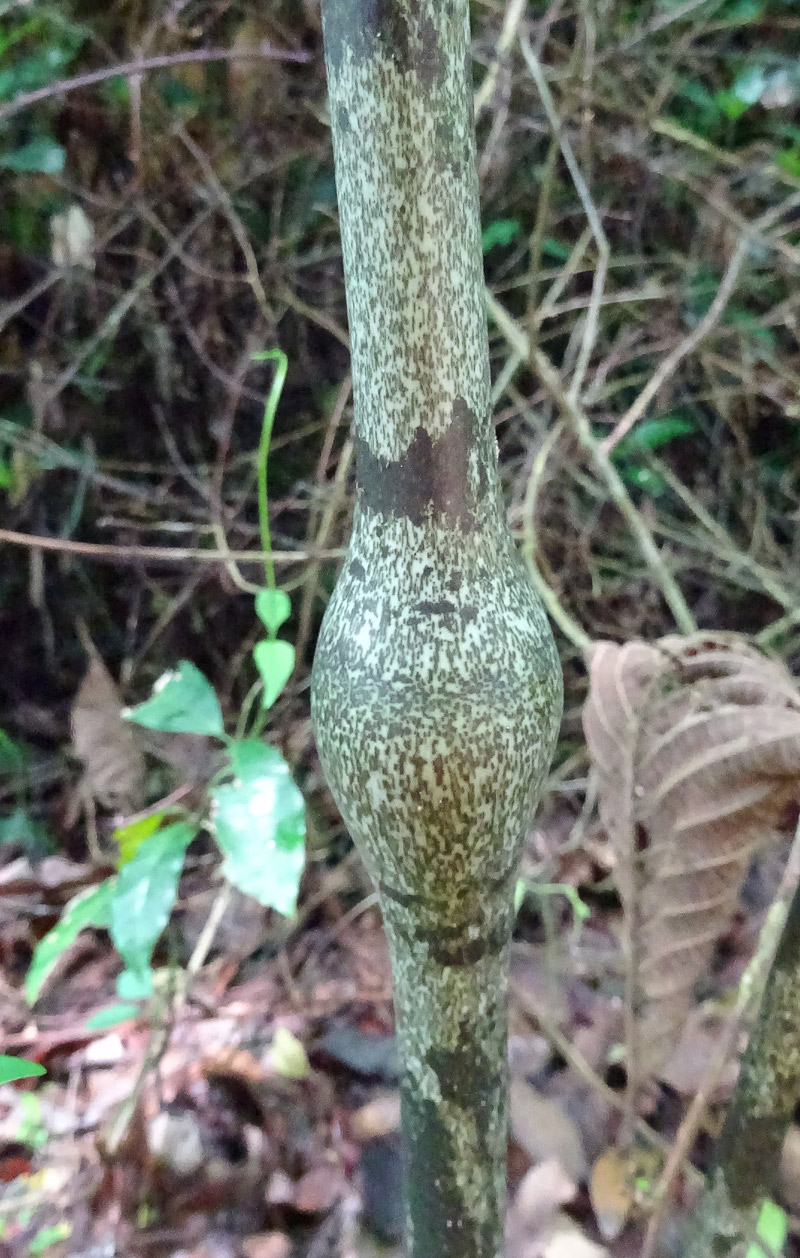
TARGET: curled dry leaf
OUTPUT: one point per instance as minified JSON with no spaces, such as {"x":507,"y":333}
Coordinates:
{"x":113,"y":762}
{"x":696,"y":742}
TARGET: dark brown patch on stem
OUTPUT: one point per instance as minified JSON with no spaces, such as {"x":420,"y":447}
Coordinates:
{"x":396,"y":29}
{"x":433,"y":476}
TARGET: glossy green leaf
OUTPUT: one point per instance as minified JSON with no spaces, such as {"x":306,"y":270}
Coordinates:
{"x":133,"y":986}
{"x":41,"y":156}
{"x":552,"y":248}
{"x":89,"y":908}
{"x":501,"y":232}
{"x":47,"y":1237}
{"x":112,"y":1016}
{"x":183,"y":702}
{"x":645,"y":478}
{"x":772,"y":1228}
{"x":42,"y":67}
{"x":14,"y":756}
{"x":273,"y":608}
{"x":12,"y":1068}
{"x":259,"y":823}
{"x":33,"y":837}
{"x":789,"y":160}
{"x":145,"y":892}
{"x":129,"y":838}
{"x":275,"y":662}
{"x":652,"y":434}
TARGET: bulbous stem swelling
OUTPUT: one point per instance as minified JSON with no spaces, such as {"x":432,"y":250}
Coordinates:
{"x":436,"y":691}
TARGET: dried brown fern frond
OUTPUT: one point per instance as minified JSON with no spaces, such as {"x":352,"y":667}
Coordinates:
{"x":696,"y":742}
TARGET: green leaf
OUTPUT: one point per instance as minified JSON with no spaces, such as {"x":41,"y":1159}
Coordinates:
{"x":772,"y":1229}
{"x":789,"y":160}
{"x":30,"y":834}
{"x":652,"y":434}
{"x":287,"y":1056}
{"x":13,"y":1068}
{"x":133,"y":986}
{"x":112,"y":1016}
{"x":750,"y":86}
{"x":552,"y":248}
{"x":259,"y":823}
{"x":273,"y":608}
{"x":645,"y":478}
{"x":145,"y":893}
{"x":129,"y":838}
{"x":46,"y":1237}
{"x":275,"y":662}
{"x":14,"y":756}
{"x":89,"y":908}
{"x":41,"y":156}
{"x":501,"y":232}
{"x":183,"y":702}
{"x":38,"y":70}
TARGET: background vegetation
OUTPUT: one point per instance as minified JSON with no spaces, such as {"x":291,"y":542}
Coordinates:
{"x":167,"y":213}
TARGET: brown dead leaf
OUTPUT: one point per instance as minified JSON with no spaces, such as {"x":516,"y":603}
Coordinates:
{"x":696,"y":742}
{"x":544,"y":1130}
{"x":113,"y":762}
{"x":611,"y":1189}
{"x":544,"y":1188}
{"x":379,"y":1117}
{"x":319,"y":1189}
{"x":267,"y":1245}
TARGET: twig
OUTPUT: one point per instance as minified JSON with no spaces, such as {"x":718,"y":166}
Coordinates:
{"x":687,"y":346}
{"x":613,"y":481}
{"x":513,"y":16}
{"x":225,"y":203}
{"x":568,"y":626}
{"x":748,"y":1150}
{"x":160,"y":554}
{"x":750,"y":988}
{"x":113,"y":319}
{"x":591,"y":325}
{"x":265,"y":52}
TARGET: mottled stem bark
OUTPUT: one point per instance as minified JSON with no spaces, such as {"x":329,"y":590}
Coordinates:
{"x":436,"y":688}
{"x":747,"y":1156}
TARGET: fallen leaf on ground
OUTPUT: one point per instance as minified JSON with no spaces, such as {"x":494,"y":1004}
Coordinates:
{"x":612,"y":1193}
{"x":379,"y":1117}
{"x":113,"y":763}
{"x":543,"y":1129}
{"x":267,"y":1245}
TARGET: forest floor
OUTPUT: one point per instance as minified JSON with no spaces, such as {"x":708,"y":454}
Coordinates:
{"x":160,"y":226}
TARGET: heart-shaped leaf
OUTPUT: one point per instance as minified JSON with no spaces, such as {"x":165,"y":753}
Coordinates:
{"x":90,"y":908}
{"x":13,"y":1068}
{"x":259,"y":822}
{"x":273,"y":608}
{"x":275,"y":662}
{"x":145,"y":893}
{"x":183,"y":702}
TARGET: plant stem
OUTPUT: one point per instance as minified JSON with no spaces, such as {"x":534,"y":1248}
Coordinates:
{"x":748,"y":1152}
{"x":270,"y":407}
{"x":436,"y":689}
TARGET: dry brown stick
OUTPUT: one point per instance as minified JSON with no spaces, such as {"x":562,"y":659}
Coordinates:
{"x":591,"y":326}
{"x":750,"y":988}
{"x":513,"y":16}
{"x":613,"y":481}
{"x":238,"y":228}
{"x":687,"y":346}
{"x":114,"y":318}
{"x":160,"y":554}
{"x":126,"y":68}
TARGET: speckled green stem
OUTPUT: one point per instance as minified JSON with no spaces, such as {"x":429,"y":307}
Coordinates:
{"x":436,"y":689}
{"x":747,"y":1156}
